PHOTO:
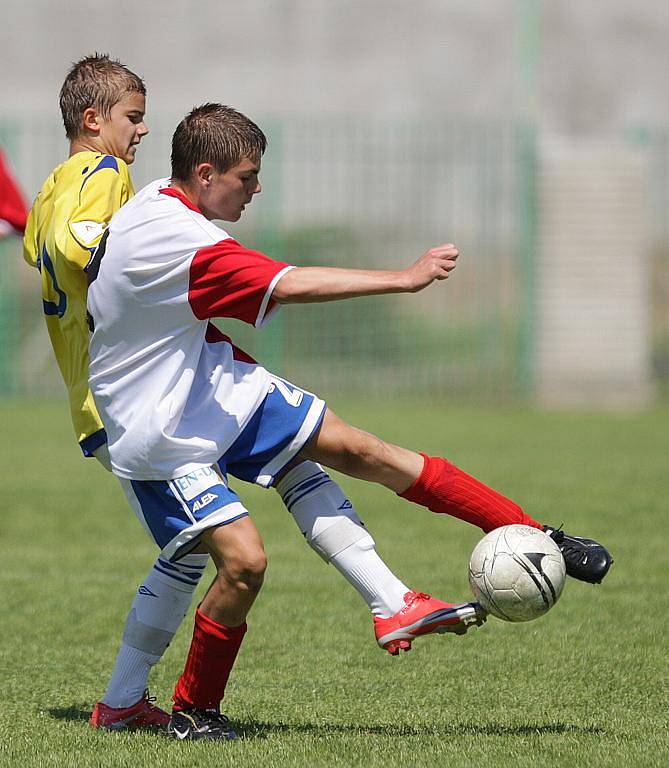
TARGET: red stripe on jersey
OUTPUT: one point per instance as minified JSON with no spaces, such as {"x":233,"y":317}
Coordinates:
{"x":229,"y":280}
{"x":214,"y":335}
{"x":170,"y":192}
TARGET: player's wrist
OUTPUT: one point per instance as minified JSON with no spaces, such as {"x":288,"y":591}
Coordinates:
{"x":406,"y":281}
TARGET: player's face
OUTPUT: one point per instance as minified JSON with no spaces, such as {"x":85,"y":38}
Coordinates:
{"x":229,"y":193}
{"x":122,"y":131}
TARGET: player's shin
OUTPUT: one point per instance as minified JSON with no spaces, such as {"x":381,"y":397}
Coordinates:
{"x":442,"y":487}
{"x":332,"y":528}
{"x":158,"y":609}
{"x":212,"y":655}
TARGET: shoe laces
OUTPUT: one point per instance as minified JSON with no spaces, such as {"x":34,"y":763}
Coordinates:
{"x":149,"y":699}
{"x":415,"y":598}
{"x":557,"y":534}
{"x":570,"y":546}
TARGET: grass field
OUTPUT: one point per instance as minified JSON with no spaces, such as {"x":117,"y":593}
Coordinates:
{"x":584,"y":686}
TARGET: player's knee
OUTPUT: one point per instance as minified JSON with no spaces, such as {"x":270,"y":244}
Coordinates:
{"x":246,"y":570}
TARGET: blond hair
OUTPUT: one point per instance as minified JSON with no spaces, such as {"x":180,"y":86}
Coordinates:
{"x":95,"y":81}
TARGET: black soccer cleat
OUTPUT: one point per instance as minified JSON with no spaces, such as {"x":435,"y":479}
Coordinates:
{"x":586,"y":559}
{"x":194,"y":724}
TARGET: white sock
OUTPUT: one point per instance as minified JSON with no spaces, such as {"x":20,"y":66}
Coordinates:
{"x":378,"y":586}
{"x":158,"y":609}
{"x":328,"y":521}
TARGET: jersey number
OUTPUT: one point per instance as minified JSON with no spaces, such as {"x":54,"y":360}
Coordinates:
{"x":291,"y":396}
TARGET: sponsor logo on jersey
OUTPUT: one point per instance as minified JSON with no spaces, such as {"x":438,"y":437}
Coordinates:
{"x":202,"y":502}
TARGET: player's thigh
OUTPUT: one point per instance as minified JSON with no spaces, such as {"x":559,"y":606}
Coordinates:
{"x":354,"y":452}
{"x":237,"y":546}
{"x":337,"y":443}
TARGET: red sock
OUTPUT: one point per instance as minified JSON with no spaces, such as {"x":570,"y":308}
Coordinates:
{"x":442,"y":487}
{"x":212,"y":653}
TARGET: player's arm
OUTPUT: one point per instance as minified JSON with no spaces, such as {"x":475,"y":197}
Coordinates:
{"x":30,"y":247}
{"x":102,"y":193}
{"x":319,"y":284}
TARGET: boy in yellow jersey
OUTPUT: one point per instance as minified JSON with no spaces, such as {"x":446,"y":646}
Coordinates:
{"x":102,"y":104}
{"x":68,"y":218}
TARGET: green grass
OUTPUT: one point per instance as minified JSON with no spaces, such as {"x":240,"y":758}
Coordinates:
{"x":584,"y":686}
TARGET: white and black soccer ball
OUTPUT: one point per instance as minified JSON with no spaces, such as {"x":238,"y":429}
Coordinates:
{"x":517,"y":572}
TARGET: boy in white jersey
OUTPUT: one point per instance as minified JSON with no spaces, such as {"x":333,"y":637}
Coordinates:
{"x":184,"y":408}
{"x":102,"y":104}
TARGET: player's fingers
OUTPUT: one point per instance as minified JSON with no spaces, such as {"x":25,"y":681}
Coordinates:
{"x":448,"y":250}
{"x":445,"y":269}
{"x":446,"y":262}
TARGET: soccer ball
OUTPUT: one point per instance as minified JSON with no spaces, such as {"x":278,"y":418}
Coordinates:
{"x":517,"y":572}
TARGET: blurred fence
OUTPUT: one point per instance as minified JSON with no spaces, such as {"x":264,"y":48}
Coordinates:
{"x":344,"y":191}
{"x":657,"y":142}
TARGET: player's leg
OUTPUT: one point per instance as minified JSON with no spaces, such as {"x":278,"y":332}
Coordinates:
{"x":161,"y":603}
{"x":430,"y":481}
{"x":159,"y":606}
{"x":264,"y":453}
{"x":220,"y":626}
{"x":440,"y":486}
{"x":331,"y":526}
{"x":176,"y":514}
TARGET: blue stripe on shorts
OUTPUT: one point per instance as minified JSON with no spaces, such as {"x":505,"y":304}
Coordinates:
{"x":282,"y":425}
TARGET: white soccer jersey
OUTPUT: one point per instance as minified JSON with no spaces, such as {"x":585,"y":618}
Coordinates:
{"x":172,"y":390}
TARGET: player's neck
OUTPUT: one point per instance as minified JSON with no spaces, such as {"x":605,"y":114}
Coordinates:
{"x":187,"y":190}
{"x":87,"y":144}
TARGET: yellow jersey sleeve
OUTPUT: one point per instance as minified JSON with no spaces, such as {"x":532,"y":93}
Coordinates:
{"x":29,"y":242}
{"x":38,"y":222}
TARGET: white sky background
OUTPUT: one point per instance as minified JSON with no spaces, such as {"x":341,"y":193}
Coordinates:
{"x":603,"y":65}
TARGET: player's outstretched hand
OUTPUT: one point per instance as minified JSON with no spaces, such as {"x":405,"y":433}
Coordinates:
{"x":435,"y":264}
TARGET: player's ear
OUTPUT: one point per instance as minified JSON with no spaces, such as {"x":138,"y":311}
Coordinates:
{"x":204,"y":173}
{"x":90,"y":120}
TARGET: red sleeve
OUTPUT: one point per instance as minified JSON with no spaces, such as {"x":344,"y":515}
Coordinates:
{"x":13,"y":208}
{"x":228,"y":280}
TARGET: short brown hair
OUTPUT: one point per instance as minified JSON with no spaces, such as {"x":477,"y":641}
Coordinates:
{"x":214,"y":134}
{"x":95,"y":81}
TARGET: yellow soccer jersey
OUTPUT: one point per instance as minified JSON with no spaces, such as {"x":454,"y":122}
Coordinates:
{"x":69,"y":216}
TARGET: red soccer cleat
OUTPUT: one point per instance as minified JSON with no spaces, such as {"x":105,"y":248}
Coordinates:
{"x":423,"y":615}
{"x":143,"y":714}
